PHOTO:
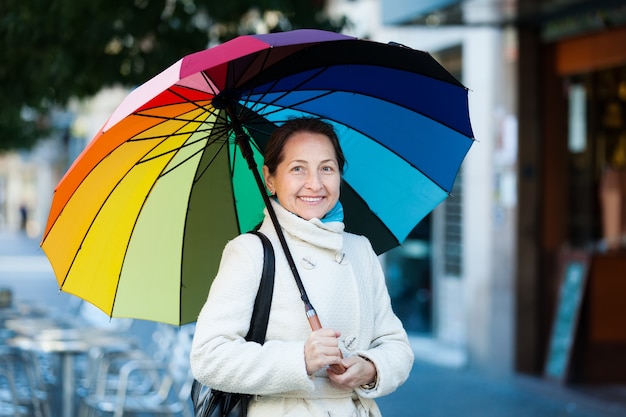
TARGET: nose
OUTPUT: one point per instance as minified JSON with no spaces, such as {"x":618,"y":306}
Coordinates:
{"x":313,"y":181}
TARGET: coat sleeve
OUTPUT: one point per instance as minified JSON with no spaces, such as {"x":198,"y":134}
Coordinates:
{"x":389,"y":349}
{"x":220,"y":356}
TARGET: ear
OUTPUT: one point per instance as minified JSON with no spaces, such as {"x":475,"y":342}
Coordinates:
{"x":269,"y":183}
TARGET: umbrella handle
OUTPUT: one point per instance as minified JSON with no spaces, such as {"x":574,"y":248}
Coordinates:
{"x":314,"y":322}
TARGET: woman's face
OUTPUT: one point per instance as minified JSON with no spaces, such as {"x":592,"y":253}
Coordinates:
{"x":306,"y":181}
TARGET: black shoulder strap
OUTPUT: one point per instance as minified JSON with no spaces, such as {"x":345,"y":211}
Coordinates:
{"x":263,"y":301}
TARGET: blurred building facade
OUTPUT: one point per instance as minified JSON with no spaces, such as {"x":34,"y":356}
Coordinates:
{"x":28,"y":178}
{"x":572,"y":102}
{"x":457,"y":268}
{"x":541,"y":195}
{"x":482,"y":274}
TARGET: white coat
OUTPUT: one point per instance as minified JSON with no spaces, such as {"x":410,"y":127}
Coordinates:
{"x":345,"y":283}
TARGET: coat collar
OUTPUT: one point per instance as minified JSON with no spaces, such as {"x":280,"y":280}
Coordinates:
{"x":324,"y":235}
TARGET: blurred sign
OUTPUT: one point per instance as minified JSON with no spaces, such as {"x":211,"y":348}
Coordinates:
{"x":586,"y":17}
{"x":403,"y":11}
{"x":573,"y":272}
{"x":577,"y":132}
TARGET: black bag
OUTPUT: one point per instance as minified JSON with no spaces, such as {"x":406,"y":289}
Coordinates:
{"x":212,"y":403}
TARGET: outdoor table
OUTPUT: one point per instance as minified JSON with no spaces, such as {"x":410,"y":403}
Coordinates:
{"x":8,"y":314}
{"x":11,"y":316}
{"x":31,"y":326}
{"x":67,"y":344}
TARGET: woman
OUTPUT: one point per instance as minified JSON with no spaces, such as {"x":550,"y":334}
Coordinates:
{"x":290,"y":374}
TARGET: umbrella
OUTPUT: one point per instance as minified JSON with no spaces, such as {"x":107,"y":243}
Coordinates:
{"x":138,"y":222}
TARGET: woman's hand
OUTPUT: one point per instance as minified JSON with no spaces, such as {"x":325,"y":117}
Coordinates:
{"x":359,"y":371}
{"x":321,"y":349}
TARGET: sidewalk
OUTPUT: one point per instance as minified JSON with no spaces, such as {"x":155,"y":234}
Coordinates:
{"x":436,"y":391}
{"x":440,"y":385}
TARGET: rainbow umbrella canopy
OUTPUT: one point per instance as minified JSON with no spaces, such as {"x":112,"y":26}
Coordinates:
{"x":138,"y":223}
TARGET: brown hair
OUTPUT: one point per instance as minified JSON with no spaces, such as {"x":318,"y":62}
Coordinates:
{"x":276,"y":142}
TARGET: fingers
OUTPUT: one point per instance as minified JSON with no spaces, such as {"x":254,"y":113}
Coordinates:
{"x":321,"y":349}
{"x":358,"y":372}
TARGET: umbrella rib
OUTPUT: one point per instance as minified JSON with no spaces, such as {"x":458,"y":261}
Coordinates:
{"x":190,"y":101}
{"x":210,"y":162}
{"x":193,"y":155}
{"x":213,"y":129}
{"x":169,"y":135}
{"x":294,"y":105}
{"x":263,"y":66}
{"x":364,"y":202}
{"x":173,"y":134}
{"x":284,"y":94}
{"x":209,"y":83}
{"x":133,"y":228}
{"x":166,"y":118}
{"x":164,"y":138}
{"x":250,"y":126}
{"x":326,"y":117}
{"x":178,"y":164}
{"x":325,"y":68}
{"x":164,"y":172}
{"x":69,"y":269}
{"x":195,"y":103}
{"x":231,"y":163}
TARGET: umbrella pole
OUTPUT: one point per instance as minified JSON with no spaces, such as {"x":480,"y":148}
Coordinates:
{"x":243,"y":141}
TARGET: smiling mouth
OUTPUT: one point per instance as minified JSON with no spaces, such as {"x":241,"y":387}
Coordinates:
{"x":311,"y":199}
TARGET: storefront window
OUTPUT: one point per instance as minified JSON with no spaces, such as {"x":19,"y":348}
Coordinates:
{"x":597,"y":173}
{"x":409,"y":279}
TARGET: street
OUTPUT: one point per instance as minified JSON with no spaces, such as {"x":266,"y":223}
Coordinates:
{"x":433,"y":389}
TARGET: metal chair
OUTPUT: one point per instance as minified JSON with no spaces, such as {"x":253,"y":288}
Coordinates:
{"x":9,"y":403}
{"x":158,"y":397}
{"x":136,"y":381}
{"x":29,"y":386}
